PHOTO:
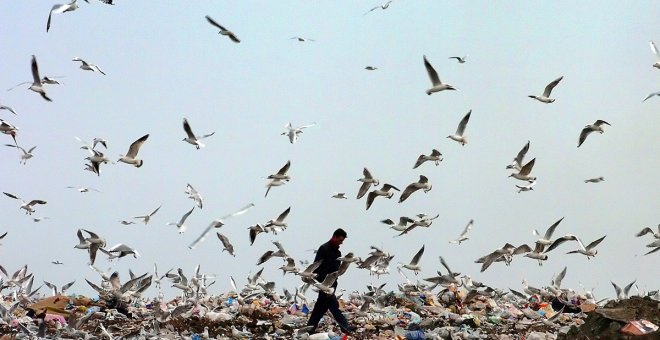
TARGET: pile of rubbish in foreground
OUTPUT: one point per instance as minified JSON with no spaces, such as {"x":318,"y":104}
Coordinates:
{"x":451,"y":314}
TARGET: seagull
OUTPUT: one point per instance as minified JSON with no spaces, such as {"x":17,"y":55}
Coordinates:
{"x":281,"y":174}
{"x":588,"y":251}
{"x":56,"y":262}
{"x":120,"y":250}
{"x":536,"y":254}
{"x":54,"y":288}
{"x":517,"y":162}
{"x":622,"y":294}
{"x":26,"y":154}
{"x":458,"y":136}
{"x":223,"y":30}
{"x":126,"y":222}
{"x":289,"y":267}
{"x":301,"y":39}
{"x":651,"y":95}
{"x":44,"y":80}
{"x":254,"y":231}
{"x":370,"y":68}
{"x":3,"y":107}
{"x":435,"y":156}
{"x":61,"y":8}
{"x":217,"y":224}
{"x":523,"y":174}
{"x":194,"y":195}
{"x":91,"y":243}
{"x":87,"y":66}
{"x":293,"y":132}
{"x":435,"y":80}
{"x":279,"y":221}
{"x":413,"y":265}
{"x":39,"y":219}
{"x":423,"y":183}
{"x":133,"y":151}
{"x":181,"y":227}
{"x":648,"y":230}
{"x":147,"y":218}
{"x":383,"y":191}
{"x":401,"y":226}
{"x":327,"y":286}
{"x":28,"y":206}
{"x":528,"y":187}
{"x":226,"y":244}
{"x":192,"y":139}
{"x":545,"y":97}
{"x":367,"y":181}
{"x":546,"y":241}
{"x":340,"y":195}
{"x":82,"y":189}
{"x":8,"y":129}
{"x":461,"y":60}
{"x":654,"y":49}
{"x":383,"y":7}
{"x":597,"y":126}
{"x":37,"y":85}
{"x":463,"y":236}
{"x":594,"y":180}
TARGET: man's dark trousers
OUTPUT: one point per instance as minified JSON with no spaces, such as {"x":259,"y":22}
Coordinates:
{"x":323,"y":303}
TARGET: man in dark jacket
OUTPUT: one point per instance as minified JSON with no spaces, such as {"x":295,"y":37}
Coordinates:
{"x":329,"y":253}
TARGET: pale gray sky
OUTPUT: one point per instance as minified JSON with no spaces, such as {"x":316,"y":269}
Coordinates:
{"x":165,"y":62}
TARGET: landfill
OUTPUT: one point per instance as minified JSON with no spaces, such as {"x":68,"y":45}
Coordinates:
{"x":451,"y":310}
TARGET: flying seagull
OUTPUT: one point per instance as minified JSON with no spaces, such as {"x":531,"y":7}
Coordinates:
{"x":367,"y":181}
{"x":528,"y":187}
{"x":423,"y":183}
{"x":597,"y":126}
{"x":217,"y":224}
{"x":28,"y":206}
{"x":458,"y":136}
{"x":133,"y":151}
{"x":87,"y":66}
{"x":654,"y":49}
{"x":37,"y":86}
{"x":340,"y":195}
{"x":383,"y":191}
{"x":370,"y":68}
{"x":147,"y":218}
{"x":82,"y":189}
{"x":545,"y":97}
{"x":435,"y":156}
{"x":279,"y":178}
{"x":461,"y":60}
{"x":192,"y":139}
{"x":588,"y":251}
{"x":181,"y":227}
{"x":463,"y":236}
{"x":383,"y":7}
{"x":293,"y":132}
{"x":435,"y":80}
{"x":301,"y":39}
{"x":517,"y":161}
{"x":194,"y":195}
{"x":546,"y":240}
{"x":413,"y":265}
{"x":523,"y":174}
{"x":26,"y":154}
{"x":223,"y":30}
{"x":226,"y":244}
{"x":594,"y":180}
{"x":61,"y":8}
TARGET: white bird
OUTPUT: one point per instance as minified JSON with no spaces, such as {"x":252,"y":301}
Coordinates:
{"x":28,"y":206}
{"x":289,"y":267}
{"x":594,"y":180}
{"x":654,"y":49}
{"x":370,"y":68}
{"x":383,"y":191}
{"x":147,"y":218}
{"x":545,"y":97}
{"x":226,"y":244}
{"x":61,"y":291}
{"x":282,"y":173}
{"x":279,"y":221}
{"x":537,"y":253}
{"x":652,"y":94}
{"x":367,"y":181}
{"x":56,"y":262}
{"x":133,"y":151}
{"x":82,"y":189}
{"x":422,"y":183}
{"x":301,"y":39}
{"x":44,"y":80}
{"x":124,"y":222}
{"x":463,"y":236}
{"x":458,"y":136}
{"x":87,"y":66}
{"x":588,"y":251}
{"x":4,"y":107}
{"x":401,"y":226}
{"x":528,"y":187}
{"x":327,"y":285}
{"x":435,"y":157}
{"x":223,"y":30}
{"x":26,"y":154}
{"x":194,"y":195}
{"x":192,"y":139}
{"x":217,"y":224}
{"x":293,"y":132}
{"x":595,"y":127}
{"x":61,"y":8}
{"x":461,"y":60}
{"x":181,"y":227}
{"x":120,"y":250}
{"x":39,"y":219}
{"x":546,"y":239}
{"x":517,"y":161}
{"x":413,"y":265}
{"x":524,"y":172}
{"x":92,"y":243}
{"x":383,"y":7}
{"x":435,"y":80}
{"x":622,"y":294}
{"x":37,"y":86}
{"x":340,"y":195}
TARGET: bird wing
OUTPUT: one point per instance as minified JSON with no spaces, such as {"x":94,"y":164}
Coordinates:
{"x":595,"y":243}
{"x":444,"y":264}
{"x":285,"y":168}
{"x":559,"y":278}
{"x":435,"y":80}
{"x":527,"y":168}
{"x":206,"y":135}
{"x":420,"y":161}
{"x":651,"y":95}
{"x":224,"y":240}
{"x":33,"y":202}
{"x":407,"y":192}
{"x":551,"y":230}
{"x":214,"y":23}
{"x":583,"y":135}
{"x":387,"y":187}
{"x":186,"y":127}
{"x":135,"y":146}
{"x":467,"y":228}
{"x":521,"y":154}
{"x":548,"y":89}
{"x":626,"y":289}
{"x":265,"y":257}
{"x":561,"y":240}
{"x":279,"y":246}
{"x":423,"y":179}
{"x":617,"y":289}
{"x":366,"y":173}
{"x":463,"y":124}
{"x":644,"y":232}
{"x":35,"y":70}
{"x":284,"y":214}
{"x":601,"y":122}
{"x":520,"y":249}
{"x":12,"y":195}
{"x":370,"y":199}
{"x":489,"y":259}
{"x":185,"y":216}
{"x":155,"y":211}
{"x":435,"y":153}
{"x":654,"y":49}
{"x":363,"y":189}
{"x":68,"y":285}
{"x":233,"y":37}
{"x":417,"y":256}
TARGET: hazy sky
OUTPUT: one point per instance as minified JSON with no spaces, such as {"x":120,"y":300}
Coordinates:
{"x":165,"y":62}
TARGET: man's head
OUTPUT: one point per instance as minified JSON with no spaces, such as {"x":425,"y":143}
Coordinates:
{"x":338,"y":237}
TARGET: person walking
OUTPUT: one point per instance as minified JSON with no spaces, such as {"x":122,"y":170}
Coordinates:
{"x":329,"y":253}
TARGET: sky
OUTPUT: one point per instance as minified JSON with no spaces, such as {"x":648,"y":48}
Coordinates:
{"x":164,"y":62}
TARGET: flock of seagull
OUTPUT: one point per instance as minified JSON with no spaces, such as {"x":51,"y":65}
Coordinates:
{"x":377,"y":261}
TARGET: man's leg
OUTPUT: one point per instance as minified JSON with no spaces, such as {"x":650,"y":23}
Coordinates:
{"x":320,"y":307}
{"x":333,"y":305}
